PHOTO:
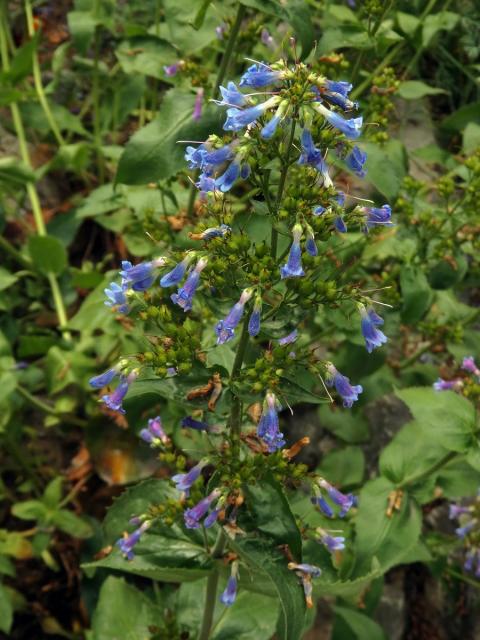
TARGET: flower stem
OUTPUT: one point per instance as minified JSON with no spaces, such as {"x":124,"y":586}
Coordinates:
{"x":211,"y":591}
{"x":37,"y":78}
{"x":31,"y":190}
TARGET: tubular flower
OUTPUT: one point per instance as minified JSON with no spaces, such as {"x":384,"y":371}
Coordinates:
{"x":154,"y":434}
{"x":140,"y":277}
{"x":237,"y":119}
{"x":193,"y":516}
{"x":268,"y":428}
{"x":116,"y":297}
{"x":184,"y":295}
{"x":255,"y":318}
{"x":376,"y":217}
{"x":191,"y":423}
{"x":351,"y":128}
{"x":457,"y":510}
{"x":345,"y":390}
{"x":172,"y":69}
{"x":466,"y":528}
{"x":229,"y":596}
{"x":288,"y":339}
{"x":310,"y":244}
{"x":370,"y":321}
{"x":355,"y":161}
{"x":447,"y":385}
{"x":175,"y":276}
{"x":269,"y":129}
{"x":260,"y":75}
{"x":128,"y":542}
{"x":184,"y":481}
{"x":312,"y":156}
{"x":326,"y":509}
{"x":337,"y":93}
{"x":293,"y":267}
{"x":212,"y":232}
{"x":114,"y":399}
{"x":333,"y":543}
{"x":345,"y":501}
{"x":232,"y":96}
{"x":225,"y":329}
{"x":97,"y":382}
{"x":468,"y":364}
{"x":197,"y":108}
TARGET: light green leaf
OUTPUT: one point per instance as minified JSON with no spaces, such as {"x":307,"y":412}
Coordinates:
{"x":386,"y":166}
{"x":14,"y":173}
{"x":146,"y":55}
{"x":6,"y":610}
{"x":415,"y":89}
{"x":407,"y":22}
{"x":71,"y":523}
{"x":48,"y":254}
{"x":343,"y":467}
{"x":471,"y":137}
{"x":442,"y":21}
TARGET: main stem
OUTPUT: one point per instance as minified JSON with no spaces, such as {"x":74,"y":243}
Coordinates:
{"x":281,"y":187}
{"x":227,"y":54}
{"x":31,"y":190}
{"x":235,"y":425}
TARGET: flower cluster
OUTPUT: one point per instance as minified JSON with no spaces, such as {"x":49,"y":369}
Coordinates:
{"x":461,"y":383}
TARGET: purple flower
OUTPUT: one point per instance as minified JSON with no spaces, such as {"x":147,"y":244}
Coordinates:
{"x":268,"y":428}
{"x":154,"y":434}
{"x":345,"y":501}
{"x":355,"y":161}
{"x":345,"y":390}
{"x":193,"y":516}
{"x":114,"y":399}
{"x":259,"y":75}
{"x":288,"y":339}
{"x":369,"y":323}
{"x":97,"y":382}
{"x":127,"y":543}
{"x":184,"y":481}
{"x":228,"y":597}
{"x":456,"y":510}
{"x":116,"y":298}
{"x":197,"y":108}
{"x":293,"y":267}
{"x":267,"y":39}
{"x":232,"y":96}
{"x":220,"y":30}
{"x":175,"y":276}
{"x":225,"y":329}
{"x":470,"y":559}
{"x":184,"y":295}
{"x":139,"y":277}
{"x":376,"y":217}
{"x":326,"y":509}
{"x":350,"y":128}
{"x":172,"y":69}
{"x":333,"y":543}
{"x":191,"y":423}
{"x":212,"y":518}
{"x":254,"y":321}
{"x":447,"y":385}
{"x":310,"y":244}
{"x":312,"y":156}
{"x":309,"y":569}
{"x":468,"y":364}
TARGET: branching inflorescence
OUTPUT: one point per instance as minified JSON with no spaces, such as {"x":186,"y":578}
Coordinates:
{"x":281,"y":123}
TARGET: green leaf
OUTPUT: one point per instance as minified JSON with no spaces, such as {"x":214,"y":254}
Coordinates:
{"x":253,"y":617}
{"x":378,"y":536}
{"x":21,"y":63}
{"x":15,"y":173}
{"x":30,"y":510}
{"x":146,"y":55}
{"x":153,"y":152}
{"x":458,"y":479}
{"x":349,"y":427}
{"x":459,"y":119}
{"x":449,"y":416}
{"x":6,"y":279}
{"x":6,"y":610}
{"x":53,"y":492}
{"x":407,"y":22}
{"x":8,"y":384}
{"x":361,"y":626}
{"x":416,"y":294}
{"x":343,"y":467}
{"x":71,"y":523}
{"x":414,"y":90}
{"x":48,"y":254}
{"x":471,"y":137}
{"x":201,"y":13}
{"x":123,"y":612}
{"x":269,"y":563}
{"x":300,"y":17}
{"x":442,"y":21}
{"x":222,"y":356}
{"x":386,"y":166}
{"x":269,"y":508}
{"x":270,"y":7}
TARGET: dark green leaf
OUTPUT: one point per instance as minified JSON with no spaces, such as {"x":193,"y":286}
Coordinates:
{"x":343,"y":467}
{"x":416,"y":293}
{"x":201,"y":13}
{"x":15,"y":173}
{"x":71,"y":523}
{"x":300,"y":18}
{"x":48,"y":254}
{"x":386,"y":166}
{"x":349,"y":427}
{"x":360,"y":625}
{"x":6,"y":610}
{"x":146,"y":55}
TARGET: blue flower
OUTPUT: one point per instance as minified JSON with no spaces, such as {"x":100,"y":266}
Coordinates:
{"x":339,"y":86}
{"x":128,"y":542}
{"x":259,"y":75}
{"x":116,"y":297}
{"x":312,"y":156}
{"x":205,"y":182}
{"x":345,"y":501}
{"x":326,"y":509}
{"x":191,"y":423}
{"x":310,"y":244}
{"x":193,"y":515}
{"x":184,"y":295}
{"x":175,"y":276}
{"x":226,"y":181}
{"x":97,"y":382}
{"x":470,"y":559}
{"x":270,"y":128}
{"x":350,"y":128}
{"x":225,"y":329}
{"x":456,"y":510}
{"x":345,"y":390}
{"x":154,"y":434}
{"x":139,"y":277}
{"x":337,"y":93}
{"x":212,"y":232}
{"x":340,"y":225}
{"x":268,"y":428}
{"x":237,"y":119}
{"x":288,"y":339}
{"x":212,"y":518}
{"x":376,"y":217}
{"x":333,"y":543}
{"x":318,"y":211}
{"x":309,"y":569}
{"x":216,"y":157}
{"x":114,"y":399}
{"x":194,"y":156}
{"x":370,"y":321}
{"x":254,"y":321}
{"x":232,"y":96}
{"x":465,"y":530}
{"x":355,"y":161}
{"x":229,"y":596}
{"x":293,"y":267}
{"x":184,"y":481}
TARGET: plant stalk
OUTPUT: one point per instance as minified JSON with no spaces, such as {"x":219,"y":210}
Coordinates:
{"x":281,"y":187}
{"x":211,"y":591}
